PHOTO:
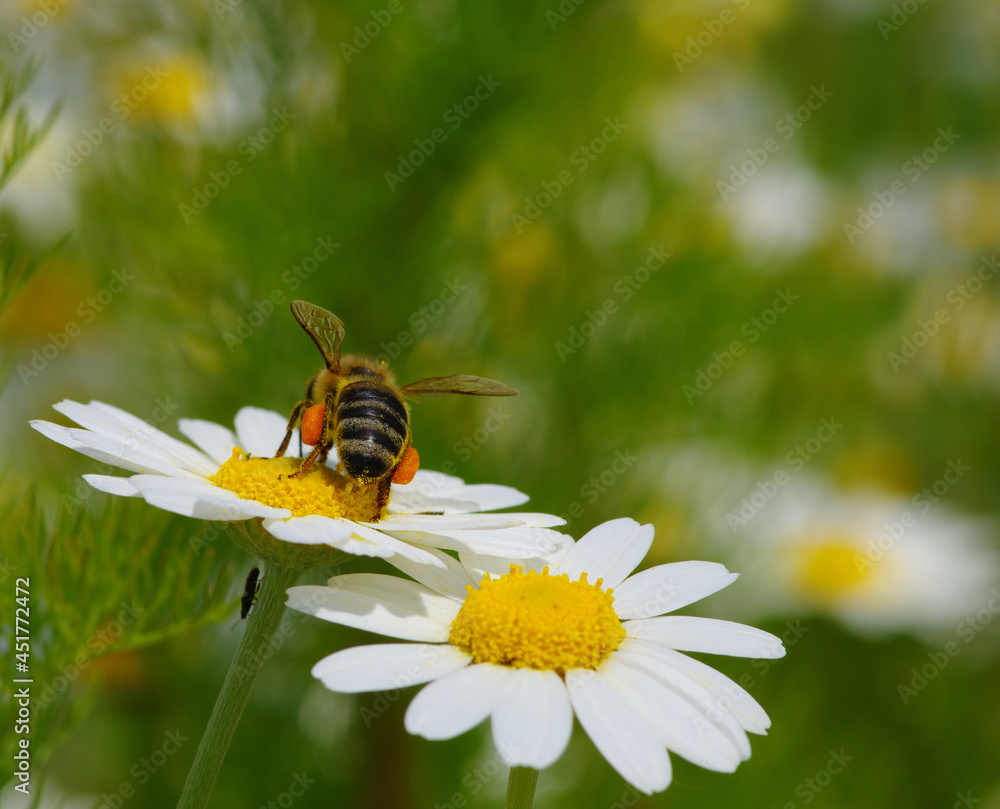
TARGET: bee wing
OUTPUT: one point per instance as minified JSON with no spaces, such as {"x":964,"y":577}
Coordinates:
{"x":460,"y":383}
{"x":325,"y":329}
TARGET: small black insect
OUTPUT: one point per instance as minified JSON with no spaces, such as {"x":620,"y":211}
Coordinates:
{"x":250,"y":589}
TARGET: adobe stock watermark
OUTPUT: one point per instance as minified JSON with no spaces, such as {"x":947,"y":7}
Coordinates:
{"x":580,"y":160}
{"x":296,"y":789}
{"x":711,"y":30}
{"x":249,"y":148}
{"x":792,"y":634}
{"x":796,"y":459}
{"x":786,"y":127}
{"x":496,"y":417}
{"x":901,"y":14}
{"x":100,"y":640}
{"x":937,"y":661}
{"x":363,"y":35}
{"x":592,"y":490}
{"x":413,"y":674}
{"x":87,"y":310}
{"x":292,"y":279}
{"x":121,"y":107}
{"x":923,"y":501}
{"x":32,"y":26}
{"x":562,"y":12}
{"x":144,"y":769}
{"x":222,"y":8}
{"x":6,"y":568}
{"x":477,"y":778}
{"x":956,"y":298}
{"x":912,"y":170}
{"x":808,"y":788}
{"x":624,"y":289}
{"x":457,"y":114}
{"x":421,"y":319}
{"x":721,"y":361}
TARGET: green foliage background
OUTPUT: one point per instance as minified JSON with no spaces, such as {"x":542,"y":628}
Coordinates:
{"x":176,"y":343}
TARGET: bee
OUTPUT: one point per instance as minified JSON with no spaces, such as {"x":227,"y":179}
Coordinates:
{"x":365,"y":413}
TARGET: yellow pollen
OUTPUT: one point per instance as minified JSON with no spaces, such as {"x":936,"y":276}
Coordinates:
{"x":320,"y":491}
{"x":538,"y":621}
{"x":831,"y":568}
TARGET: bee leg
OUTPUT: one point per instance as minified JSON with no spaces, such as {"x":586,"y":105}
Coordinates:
{"x":383,"y":495}
{"x":322,"y":447}
{"x":308,"y":462}
{"x":297,"y":412}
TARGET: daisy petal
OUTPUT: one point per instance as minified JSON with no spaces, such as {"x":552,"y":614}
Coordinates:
{"x":510,"y":542}
{"x":666,"y":588}
{"x":386,"y":666}
{"x":110,"y":451}
{"x":480,"y":565}
{"x":438,"y":492}
{"x":489,"y":496}
{"x":407,"y":550}
{"x":532,"y":719}
{"x":610,"y":552}
{"x":131,"y":431}
{"x":260,"y":432}
{"x":688,"y":634}
{"x":450,"y":579}
{"x":200,"y":499}
{"x":622,"y":735}
{"x":383,"y":604}
{"x":213,"y":439}
{"x":430,"y":483}
{"x":711,"y":711}
{"x":728,"y":694}
{"x":346,"y":535}
{"x":536,"y":519}
{"x":457,"y":702}
{"x":681,"y":727}
{"x":450,"y":522}
{"x":112,"y":484}
{"x":315,"y":529}
{"x":414,"y":503}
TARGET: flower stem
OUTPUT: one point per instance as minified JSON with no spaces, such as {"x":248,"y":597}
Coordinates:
{"x":521,"y":787}
{"x":250,"y":654}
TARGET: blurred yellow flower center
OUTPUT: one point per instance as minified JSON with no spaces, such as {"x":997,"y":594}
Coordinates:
{"x":320,"y":491}
{"x":164,"y":91}
{"x":538,"y":621}
{"x":831,"y":568}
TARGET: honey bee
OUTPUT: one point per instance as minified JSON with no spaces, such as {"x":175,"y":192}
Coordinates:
{"x":364,"y":411}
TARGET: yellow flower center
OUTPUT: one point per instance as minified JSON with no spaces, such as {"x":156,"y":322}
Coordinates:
{"x":320,"y":491}
{"x":171,"y":91}
{"x":538,"y":621}
{"x":831,"y":568}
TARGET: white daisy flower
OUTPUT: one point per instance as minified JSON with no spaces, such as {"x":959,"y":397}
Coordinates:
{"x":232,"y":476}
{"x":531,"y":649}
{"x":877,"y":562}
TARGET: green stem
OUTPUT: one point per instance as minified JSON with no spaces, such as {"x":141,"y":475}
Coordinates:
{"x":250,"y":654}
{"x":521,"y":787}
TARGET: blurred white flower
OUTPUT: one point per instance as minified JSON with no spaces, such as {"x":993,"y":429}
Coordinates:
{"x":877,"y":562}
{"x":783,"y":210}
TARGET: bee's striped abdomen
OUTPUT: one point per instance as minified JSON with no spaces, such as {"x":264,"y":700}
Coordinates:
{"x":371,"y":429}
